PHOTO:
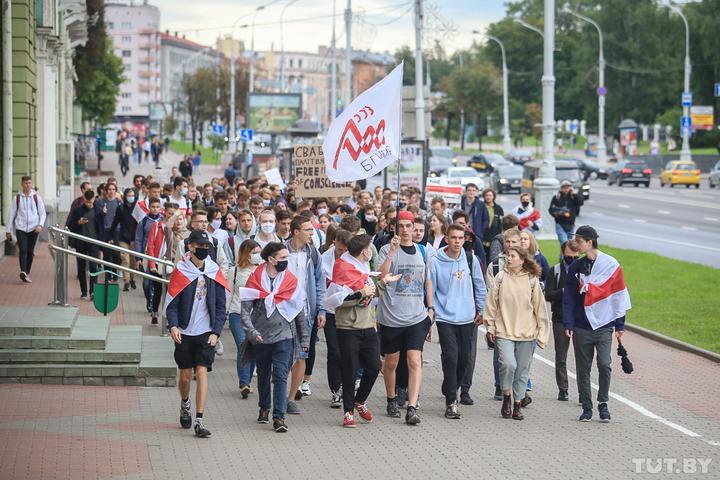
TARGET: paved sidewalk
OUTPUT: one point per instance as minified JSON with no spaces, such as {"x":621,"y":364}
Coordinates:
{"x":664,"y":410}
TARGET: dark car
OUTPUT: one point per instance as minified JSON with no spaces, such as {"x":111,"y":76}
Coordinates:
{"x":636,"y":172}
{"x":441,"y":158}
{"x":590,"y":169}
{"x":487,"y":162}
{"x":564,"y":170}
{"x":507,"y":178}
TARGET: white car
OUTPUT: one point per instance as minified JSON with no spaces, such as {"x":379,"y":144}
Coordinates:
{"x":466,"y":175}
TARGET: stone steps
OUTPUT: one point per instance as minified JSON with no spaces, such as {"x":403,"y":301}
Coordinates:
{"x":55,"y":345}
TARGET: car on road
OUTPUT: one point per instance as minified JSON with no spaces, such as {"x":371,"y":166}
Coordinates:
{"x":465,"y":175}
{"x":714,"y":178}
{"x":564,"y":171}
{"x":680,"y":172}
{"x":636,"y":172}
{"x":519,"y":155}
{"x":590,"y":169}
{"x":487,"y":162}
{"x":441,"y":158}
{"x":507,"y":178}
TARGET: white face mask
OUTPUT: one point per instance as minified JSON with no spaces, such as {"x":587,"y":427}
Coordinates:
{"x":184,"y":191}
{"x":215,"y":224}
{"x":371,"y":218}
{"x":256,"y":259}
{"x":268,"y":227}
{"x":266,"y":203}
{"x":322,"y":211}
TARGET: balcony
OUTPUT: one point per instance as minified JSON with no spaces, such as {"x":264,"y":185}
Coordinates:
{"x":148,"y":31}
{"x":145,"y":88}
{"x":146,"y":74}
{"x":150,"y":46}
{"x":148,"y":60}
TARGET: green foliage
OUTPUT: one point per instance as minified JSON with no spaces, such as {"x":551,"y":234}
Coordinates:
{"x":170,"y":125}
{"x":99,"y":72}
{"x":199,"y":92}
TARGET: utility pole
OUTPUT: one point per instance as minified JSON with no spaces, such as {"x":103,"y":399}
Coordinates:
{"x":462,"y":114}
{"x":507,"y":144}
{"x":348,"y":53}
{"x":685,"y":152}
{"x":333,"y":70}
{"x":419,"y":90}
{"x":546,"y":185}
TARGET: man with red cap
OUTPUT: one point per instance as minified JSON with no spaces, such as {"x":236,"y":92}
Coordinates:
{"x":404,"y":317}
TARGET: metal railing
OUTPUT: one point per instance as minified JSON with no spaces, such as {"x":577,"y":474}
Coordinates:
{"x":60,"y":247}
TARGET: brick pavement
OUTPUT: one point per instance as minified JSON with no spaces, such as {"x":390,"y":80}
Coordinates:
{"x":68,"y":432}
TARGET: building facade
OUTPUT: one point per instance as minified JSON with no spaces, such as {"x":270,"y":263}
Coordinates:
{"x":135,"y":32}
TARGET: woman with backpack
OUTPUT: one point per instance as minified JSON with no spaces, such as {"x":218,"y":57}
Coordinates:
{"x":515,"y":316}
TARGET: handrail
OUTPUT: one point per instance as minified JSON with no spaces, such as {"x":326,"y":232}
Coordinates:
{"x":110,"y":264}
{"x":60,"y":244}
{"x":111,"y":246}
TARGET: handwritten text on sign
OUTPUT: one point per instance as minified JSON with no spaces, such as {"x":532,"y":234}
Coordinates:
{"x":310,"y":173}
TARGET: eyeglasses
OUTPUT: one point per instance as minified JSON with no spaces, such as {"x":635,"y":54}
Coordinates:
{"x":201,"y":222}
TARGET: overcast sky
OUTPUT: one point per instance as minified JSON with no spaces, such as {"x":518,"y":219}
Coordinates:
{"x":379,"y":25}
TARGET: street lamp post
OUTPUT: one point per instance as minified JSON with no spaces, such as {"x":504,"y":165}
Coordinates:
{"x":685,"y":153}
{"x":507,"y":144}
{"x":251,"y":86}
{"x":233,"y":131}
{"x":419,"y":90}
{"x":546,"y":185}
{"x":282,"y":46}
{"x":601,"y":147}
{"x":348,"y":53}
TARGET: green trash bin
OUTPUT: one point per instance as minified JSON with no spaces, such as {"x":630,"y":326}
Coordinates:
{"x":106,"y":294}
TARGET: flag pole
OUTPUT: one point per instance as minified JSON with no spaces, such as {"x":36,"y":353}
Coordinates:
{"x":397,"y":204}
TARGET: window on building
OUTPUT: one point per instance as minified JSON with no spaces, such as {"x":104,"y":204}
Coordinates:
{"x":291,"y":63}
{"x":127,"y":67}
{"x":127,"y":39}
{"x":126,"y":95}
{"x":126,"y":53}
{"x":126,"y":109}
{"x":110,"y":25}
{"x":299,"y":62}
{"x":126,"y":25}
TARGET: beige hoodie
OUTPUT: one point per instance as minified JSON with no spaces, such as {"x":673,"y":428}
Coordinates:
{"x":515,"y":310}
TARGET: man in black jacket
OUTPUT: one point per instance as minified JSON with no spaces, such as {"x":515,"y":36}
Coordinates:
{"x":554,"y":294}
{"x":126,"y":234}
{"x":85,"y":221}
{"x":195,"y":309}
{"x":564,"y":207}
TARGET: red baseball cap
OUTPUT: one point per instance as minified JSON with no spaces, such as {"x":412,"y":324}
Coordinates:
{"x":405,"y":215}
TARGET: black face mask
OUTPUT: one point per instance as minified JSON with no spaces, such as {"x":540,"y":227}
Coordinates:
{"x":468,"y":245}
{"x":201,"y":253}
{"x":569,"y":260}
{"x":402,"y":204}
{"x":281,"y":265}
{"x":525,"y":204}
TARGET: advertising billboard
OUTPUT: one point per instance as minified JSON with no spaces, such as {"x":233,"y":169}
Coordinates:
{"x":273,"y":112}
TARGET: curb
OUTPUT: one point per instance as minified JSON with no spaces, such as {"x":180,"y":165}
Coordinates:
{"x":671,"y":342}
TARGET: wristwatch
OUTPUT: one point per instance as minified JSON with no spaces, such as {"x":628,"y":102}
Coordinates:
{"x":431,"y":308}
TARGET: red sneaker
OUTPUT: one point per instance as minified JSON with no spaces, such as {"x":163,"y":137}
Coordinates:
{"x":364,"y":412}
{"x":349,"y":420}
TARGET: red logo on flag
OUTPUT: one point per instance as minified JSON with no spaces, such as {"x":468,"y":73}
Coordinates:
{"x":356,"y":142}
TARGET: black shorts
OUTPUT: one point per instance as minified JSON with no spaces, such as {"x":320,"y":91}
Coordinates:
{"x":194,"y":351}
{"x":394,"y":339}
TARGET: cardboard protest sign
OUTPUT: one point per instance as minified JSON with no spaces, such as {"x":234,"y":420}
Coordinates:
{"x":450,"y":191}
{"x":313,"y":182}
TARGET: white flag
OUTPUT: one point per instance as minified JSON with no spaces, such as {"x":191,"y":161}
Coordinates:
{"x":365,"y":137}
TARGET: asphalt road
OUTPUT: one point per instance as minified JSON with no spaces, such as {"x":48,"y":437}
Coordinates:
{"x":678,"y":223}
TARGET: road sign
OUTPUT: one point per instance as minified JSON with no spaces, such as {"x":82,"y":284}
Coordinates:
{"x":702,"y":117}
{"x":717,"y":89}
{"x":601,"y":91}
{"x":218,"y":129}
{"x":687,"y":99}
{"x":246,"y":135}
{"x":685,"y":121}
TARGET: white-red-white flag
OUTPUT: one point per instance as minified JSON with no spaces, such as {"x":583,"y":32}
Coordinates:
{"x":606,"y":295}
{"x":365,"y":137}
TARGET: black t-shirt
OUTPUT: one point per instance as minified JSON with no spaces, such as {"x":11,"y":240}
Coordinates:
{"x":409,"y":250}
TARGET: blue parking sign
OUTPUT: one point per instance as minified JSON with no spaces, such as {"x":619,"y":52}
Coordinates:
{"x":246,"y":135}
{"x":686,"y":122}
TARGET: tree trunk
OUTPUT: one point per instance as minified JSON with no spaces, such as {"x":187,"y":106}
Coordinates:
{"x":462,"y":129}
{"x":193,"y":127}
{"x":479,"y":130}
{"x":449,"y":127}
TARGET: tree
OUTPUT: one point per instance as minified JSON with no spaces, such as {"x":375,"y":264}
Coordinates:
{"x":200,"y":101}
{"x":242,"y":83}
{"x":170,"y":125}
{"x":98,"y":71}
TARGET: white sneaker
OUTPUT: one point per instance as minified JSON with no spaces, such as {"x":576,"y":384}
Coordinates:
{"x":219,"y":349}
{"x":305,"y":388}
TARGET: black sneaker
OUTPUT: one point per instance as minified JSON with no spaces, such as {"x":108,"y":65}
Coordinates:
{"x":604,"y":413}
{"x":126,"y":287}
{"x":148,"y":306}
{"x":563,"y":395}
{"x":132,"y":285}
{"x":279,"y":425}
{"x":201,"y":431}
{"x":586,"y":415}
{"x":154,"y":319}
{"x":185,"y":417}
{"x":392,"y":409}
{"x":498,"y":393}
{"x":402,"y":397}
{"x":264,"y":416}
{"x":466,"y":399}
{"x":298,"y":395}
{"x":411,"y":416}
{"x":527,"y":400}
